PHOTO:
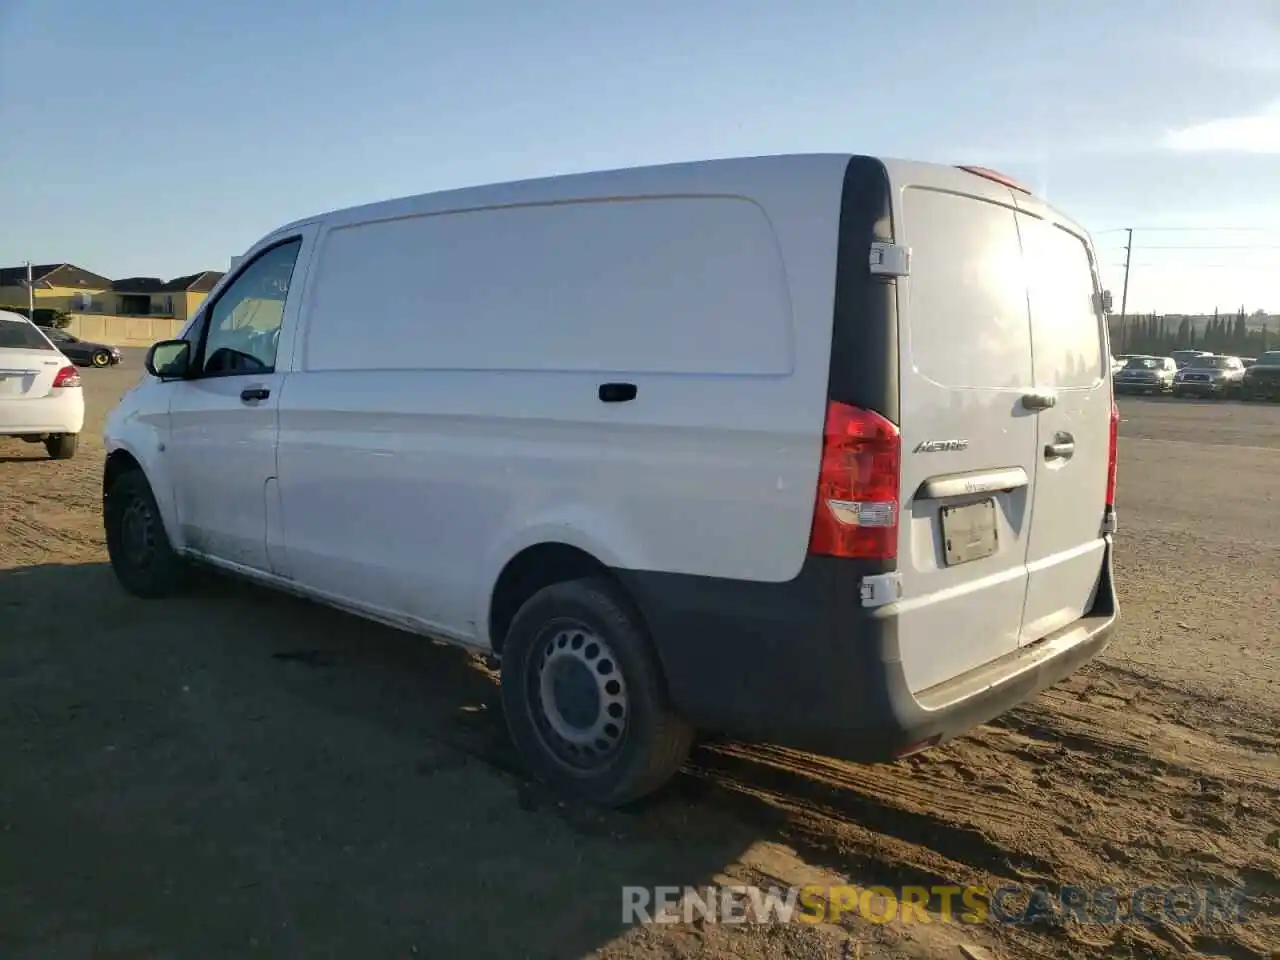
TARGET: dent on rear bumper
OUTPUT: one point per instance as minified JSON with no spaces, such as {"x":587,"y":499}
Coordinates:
{"x":803,"y":664}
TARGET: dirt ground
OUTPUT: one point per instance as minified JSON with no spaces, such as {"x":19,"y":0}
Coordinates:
{"x":240,"y":774}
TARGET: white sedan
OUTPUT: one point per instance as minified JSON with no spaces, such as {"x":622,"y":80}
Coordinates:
{"x":40,"y":396}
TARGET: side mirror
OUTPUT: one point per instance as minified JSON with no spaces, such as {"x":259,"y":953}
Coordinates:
{"x":169,"y":360}
{"x":1105,"y":301}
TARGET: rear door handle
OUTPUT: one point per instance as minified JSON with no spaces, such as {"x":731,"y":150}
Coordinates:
{"x":1040,"y":400}
{"x":1063,"y":446}
{"x":254,"y":394}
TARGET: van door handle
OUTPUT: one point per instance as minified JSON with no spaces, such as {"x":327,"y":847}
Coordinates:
{"x":1062,"y":448}
{"x":254,"y":394}
{"x":617,"y":392}
{"x":1040,"y":400}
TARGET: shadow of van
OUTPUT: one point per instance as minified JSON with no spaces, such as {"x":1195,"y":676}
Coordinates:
{"x":240,"y":772}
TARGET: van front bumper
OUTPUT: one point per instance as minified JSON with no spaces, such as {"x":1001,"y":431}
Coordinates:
{"x":803,"y":664}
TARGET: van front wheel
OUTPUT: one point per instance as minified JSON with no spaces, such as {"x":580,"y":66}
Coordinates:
{"x":138,"y":547}
{"x":584,"y":697}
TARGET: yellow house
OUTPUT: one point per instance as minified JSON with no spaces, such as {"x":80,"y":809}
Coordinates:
{"x":58,"y":286}
{"x":152,"y":297}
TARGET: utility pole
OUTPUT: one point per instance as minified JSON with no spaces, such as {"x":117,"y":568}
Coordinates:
{"x":1124,"y":293}
{"x":31,"y":295}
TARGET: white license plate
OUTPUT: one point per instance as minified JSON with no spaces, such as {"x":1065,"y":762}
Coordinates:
{"x":969,"y":532}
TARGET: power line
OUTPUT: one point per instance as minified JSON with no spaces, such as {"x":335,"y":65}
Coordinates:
{"x":1180,"y":266}
{"x":1184,"y":230}
{"x":1245,"y":246}
{"x":1195,"y":246}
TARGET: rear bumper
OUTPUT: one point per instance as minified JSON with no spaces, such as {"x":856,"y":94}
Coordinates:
{"x":803,"y":664}
{"x":61,"y":412}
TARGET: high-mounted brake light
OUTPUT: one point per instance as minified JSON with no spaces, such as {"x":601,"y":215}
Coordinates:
{"x":68,"y":376}
{"x":1112,"y":452}
{"x":856,"y":513}
{"x":997,"y":177}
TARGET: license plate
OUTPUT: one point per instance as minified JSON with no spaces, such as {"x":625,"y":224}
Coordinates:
{"x":969,"y":532}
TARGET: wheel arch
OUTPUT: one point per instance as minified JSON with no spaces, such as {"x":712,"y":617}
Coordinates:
{"x":122,"y":459}
{"x":119,"y":461}
{"x":532,"y":569}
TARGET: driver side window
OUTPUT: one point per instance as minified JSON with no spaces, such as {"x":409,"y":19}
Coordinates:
{"x":243,"y":331}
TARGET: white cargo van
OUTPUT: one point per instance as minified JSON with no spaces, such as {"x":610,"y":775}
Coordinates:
{"x":814,"y":450}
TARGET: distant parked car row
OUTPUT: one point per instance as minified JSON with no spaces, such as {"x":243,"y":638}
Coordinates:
{"x":1194,"y":373}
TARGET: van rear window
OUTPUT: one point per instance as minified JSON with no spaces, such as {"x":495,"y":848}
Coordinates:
{"x":20,"y":335}
{"x":968,"y":298}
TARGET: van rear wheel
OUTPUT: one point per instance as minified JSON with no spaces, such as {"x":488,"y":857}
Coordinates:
{"x":584,"y":697}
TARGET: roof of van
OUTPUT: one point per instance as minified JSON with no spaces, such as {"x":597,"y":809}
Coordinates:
{"x":692,"y":176}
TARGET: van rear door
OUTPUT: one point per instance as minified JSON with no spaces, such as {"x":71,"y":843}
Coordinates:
{"x":1068,"y":334}
{"x":969,"y":442}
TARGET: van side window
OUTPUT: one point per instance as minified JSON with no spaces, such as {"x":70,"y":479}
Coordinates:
{"x":243,"y":331}
{"x":1065,"y":320}
{"x":681,"y":285}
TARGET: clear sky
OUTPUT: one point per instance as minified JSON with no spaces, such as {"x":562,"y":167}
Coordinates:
{"x":159,"y":138}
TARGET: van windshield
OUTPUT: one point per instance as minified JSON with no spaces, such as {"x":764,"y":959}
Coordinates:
{"x":20,"y":335}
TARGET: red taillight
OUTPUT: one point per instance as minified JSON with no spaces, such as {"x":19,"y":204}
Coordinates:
{"x":856,"y":513}
{"x":1111,"y":455}
{"x":996,"y":177}
{"x":68,"y":376}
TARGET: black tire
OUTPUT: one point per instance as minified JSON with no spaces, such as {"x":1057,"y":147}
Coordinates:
{"x":141,"y":555}
{"x":61,"y":447}
{"x":590,"y":623}
{"x":100,"y":358}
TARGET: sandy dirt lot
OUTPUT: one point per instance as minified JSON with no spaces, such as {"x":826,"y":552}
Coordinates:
{"x":240,"y":774}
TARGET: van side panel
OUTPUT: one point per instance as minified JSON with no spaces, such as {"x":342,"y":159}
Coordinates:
{"x":447,"y":397}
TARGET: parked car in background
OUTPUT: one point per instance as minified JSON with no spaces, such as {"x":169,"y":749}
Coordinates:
{"x":84,"y":352}
{"x":1143,"y":374}
{"x":40,"y":396}
{"x":1209,"y":377}
{"x":1183,"y":357}
{"x":1262,"y":380}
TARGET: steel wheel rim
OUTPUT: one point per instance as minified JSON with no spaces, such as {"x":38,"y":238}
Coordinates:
{"x":579,"y":696}
{"x":137,"y":533}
